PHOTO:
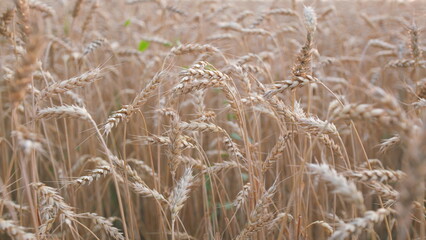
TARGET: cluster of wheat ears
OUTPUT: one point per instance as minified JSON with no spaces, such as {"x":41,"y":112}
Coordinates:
{"x":212,"y":119}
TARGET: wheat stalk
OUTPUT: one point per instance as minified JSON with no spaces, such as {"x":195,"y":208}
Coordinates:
{"x":51,"y":203}
{"x":126,"y":111}
{"x":242,"y":196}
{"x":64,"y":112}
{"x":387,"y":144}
{"x":378,"y":175}
{"x":93,"y":175}
{"x":92,"y":46}
{"x":42,"y":7}
{"x":13,"y":205}
{"x":15,"y":231}
{"x":355,"y":227}
{"x":194,"y":48}
{"x":24,"y":18}
{"x":105,"y":224}
{"x":23,"y":73}
{"x":341,"y":185}
{"x":70,"y":84}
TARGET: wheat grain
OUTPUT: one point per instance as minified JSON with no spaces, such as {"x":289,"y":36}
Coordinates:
{"x":194,"y":48}
{"x":341,"y":185}
{"x":52,"y":204}
{"x":15,"y":231}
{"x":70,"y":84}
{"x":181,"y":192}
{"x":105,"y":224}
{"x":42,"y":7}
{"x":64,"y":112}
{"x":93,"y":46}
{"x":378,"y":175}
{"x":93,"y":175}
{"x":242,"y":196}
{"x":354,"y":228}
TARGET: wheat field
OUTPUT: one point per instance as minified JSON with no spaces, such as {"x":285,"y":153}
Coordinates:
{"x":154,"y":119}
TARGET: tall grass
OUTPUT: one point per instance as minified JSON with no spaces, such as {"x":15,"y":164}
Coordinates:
{"x":145,"y":119}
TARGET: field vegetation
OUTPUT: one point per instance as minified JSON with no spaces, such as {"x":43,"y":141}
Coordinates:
{"x":212,"y":119}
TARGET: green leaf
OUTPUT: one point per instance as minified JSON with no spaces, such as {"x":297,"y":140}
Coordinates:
{"x":208,"y":183}
{"x":143,"y":45}
{"x":210,"y":68}
{"x":66,"y":27}
{"x":227,"y":205}
{"x":244,"y":176}
{"x":217,"y":90}
{"x":231,"y":116}
{"x":127,"y":23}
{"x":236,"y":136}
